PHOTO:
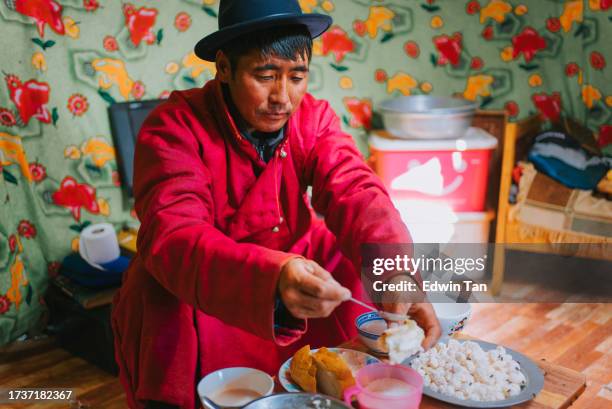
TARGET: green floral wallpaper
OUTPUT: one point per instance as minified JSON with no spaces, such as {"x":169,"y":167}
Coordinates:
{"x":64,"y":61}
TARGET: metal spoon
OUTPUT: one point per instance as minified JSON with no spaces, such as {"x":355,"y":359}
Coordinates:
{"x":389,"y":316}
{"x":209,"y":404}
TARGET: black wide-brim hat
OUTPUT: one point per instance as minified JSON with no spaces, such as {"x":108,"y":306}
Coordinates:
{"x":238,"y":17}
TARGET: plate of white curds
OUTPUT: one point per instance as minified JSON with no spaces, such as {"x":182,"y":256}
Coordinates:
{"x":477,"y":374}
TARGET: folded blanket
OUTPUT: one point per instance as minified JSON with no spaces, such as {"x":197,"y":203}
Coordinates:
{"x":559,"y":156}
{"x":543,"y":202}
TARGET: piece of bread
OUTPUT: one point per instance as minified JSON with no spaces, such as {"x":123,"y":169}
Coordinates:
{"x":333,"y":374}
{"x":303,"y":370}
{"x":401,"y":341}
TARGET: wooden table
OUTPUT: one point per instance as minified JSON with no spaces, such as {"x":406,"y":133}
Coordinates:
{"x":562,"y":386}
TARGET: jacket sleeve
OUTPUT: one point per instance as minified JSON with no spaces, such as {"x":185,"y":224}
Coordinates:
{"x":353,"y":200}
{"x":178,"y":243}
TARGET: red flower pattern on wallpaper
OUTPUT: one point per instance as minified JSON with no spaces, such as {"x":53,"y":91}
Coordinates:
{"x":476,"y":63}
{"x":110,"y":44}
{"x":512,"y":108}
{"x":548,"y":105}
{"x":605,"y":135}
{"x":138,"y":90}
{"x":5,"y":304}
{"x":74,"y":195}
{"x":528,"y":42}
{"x":487,"y":33}
{"x":38,"y":172}
{"x":472,"y":7}
{"x":182,"y":21}
{"x":139,"y":22}
{"x":605,"y":4}
{"x":336,"y":41}
{"x":361,"y":112}
{"x":597,"y":60}
{"x":43,"y":12}
{"x":7,"y":117}
{"x":380,"y":75}
{"x":26,"y":229}
{"x":77,"y":104}
{"x":571,"y":69}
{"x":359,"y":26}
{"x":449,"y":48}
{"x":412,"y":49}
{"x":30,"y":98}
{"x":91,"y":5}
{"x":553,"y":24}
{"x":12,"y":240}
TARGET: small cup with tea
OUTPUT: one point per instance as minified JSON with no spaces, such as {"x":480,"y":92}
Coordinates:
{"x":235,"y":387}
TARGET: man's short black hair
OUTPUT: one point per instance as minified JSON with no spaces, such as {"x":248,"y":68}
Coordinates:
{"x":286,"y":42}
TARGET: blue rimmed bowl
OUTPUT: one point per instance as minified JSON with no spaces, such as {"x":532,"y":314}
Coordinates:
{"x":370,"y":327}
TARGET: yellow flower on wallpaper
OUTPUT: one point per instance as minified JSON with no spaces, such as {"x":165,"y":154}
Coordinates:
{"x":18,"y":279}
{"x":71,"y":27}
{"x":401,"y":82}
{"x":74,"y":244}
{"x":113,"y":72}
{"x":590,"y":94}
{"x":436,"y":22}
{"x":572,"y":12}
{"x":171,"y":68}
{"x":609,"y":100}
{"x":535,"y":80}
{"x":426,"y":87}
{"x":72,"y":152}
{"x":506,"y":54}
{"x":11,"y":151}
{"x":99,"y":150}
{"x":346,"y":82}
{"x":317,"y":47}
{"x":38,"y":61}
{"x":198,"y":66}
{"x":521,"y":10}
{"x":104,"y":206}
{"x":379,"y":18}
{"x":328,"y":6}
{"x":478,"y":85}
{"x":308,"y":5}
{"x":496,"y":10}
{"x":209,"y":2}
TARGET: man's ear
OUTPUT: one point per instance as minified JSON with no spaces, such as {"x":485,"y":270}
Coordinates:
{"x":224,"y":68}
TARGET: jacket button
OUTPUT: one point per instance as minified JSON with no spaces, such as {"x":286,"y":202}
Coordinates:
{"x":275,"y":229}
{"x":283,"y":154}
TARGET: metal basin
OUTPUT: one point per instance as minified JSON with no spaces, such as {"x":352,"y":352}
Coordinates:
{"x":290,"y":401}
{"x":297,"y":401}
{"x":427,"y":117}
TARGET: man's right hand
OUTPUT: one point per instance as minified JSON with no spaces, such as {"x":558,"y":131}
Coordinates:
{"x":308,"y":290}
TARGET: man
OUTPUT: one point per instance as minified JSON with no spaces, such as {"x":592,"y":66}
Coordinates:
{"x":234,"y":268}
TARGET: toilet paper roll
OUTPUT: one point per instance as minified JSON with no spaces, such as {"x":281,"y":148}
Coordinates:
{"x":98,"y":244}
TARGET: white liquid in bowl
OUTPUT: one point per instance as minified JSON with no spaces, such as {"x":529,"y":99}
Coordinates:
{"x":389,"y":387}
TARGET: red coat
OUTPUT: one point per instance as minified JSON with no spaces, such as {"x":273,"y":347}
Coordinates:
{"x":200,"y":294}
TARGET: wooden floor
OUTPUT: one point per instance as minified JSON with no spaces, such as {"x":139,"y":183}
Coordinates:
{"x":578,"y":336}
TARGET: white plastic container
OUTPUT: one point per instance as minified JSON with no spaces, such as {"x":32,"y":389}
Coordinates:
{"x":435,"y":222}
